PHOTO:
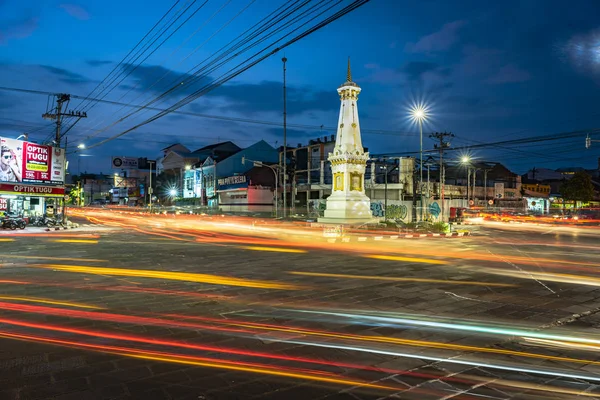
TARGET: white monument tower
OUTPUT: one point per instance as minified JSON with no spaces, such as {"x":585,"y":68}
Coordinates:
{"x":348,"y":203}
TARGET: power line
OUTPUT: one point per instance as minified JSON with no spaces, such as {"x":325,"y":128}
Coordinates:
{"x":218,"y":117}
{"x":233,"y":73}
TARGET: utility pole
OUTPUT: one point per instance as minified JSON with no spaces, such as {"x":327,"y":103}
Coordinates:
{"x":441,"y":136}
{"x":284,"y":140}
{"x":150,"y":190}
{"x":57,"y":114}
{"x":485,"y":172}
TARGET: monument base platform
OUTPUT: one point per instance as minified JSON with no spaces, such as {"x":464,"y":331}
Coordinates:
{"x":346,"y":221}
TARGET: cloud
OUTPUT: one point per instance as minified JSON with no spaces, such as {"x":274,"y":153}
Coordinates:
{"x":441,"y":40}
{"x":17,"y":29}
{"x":265,"y":96}
{"x":66,"y":76}
{"x":159,"y":79}
{"x":583,"y":52}
{"x":97,"y":63}
{"x":510,"y":74}
{"x":76,"y":11}
{"x":416,"y":70}
{"x":244,"y":98}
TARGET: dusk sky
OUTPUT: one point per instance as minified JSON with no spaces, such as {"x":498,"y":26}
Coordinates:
{"x":489,"y":72}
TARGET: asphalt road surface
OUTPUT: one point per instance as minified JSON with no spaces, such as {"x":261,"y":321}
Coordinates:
{"x":181,"y":307}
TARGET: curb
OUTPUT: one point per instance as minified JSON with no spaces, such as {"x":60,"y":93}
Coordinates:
{"x":60,"y":228}
{"x":394,"y":237}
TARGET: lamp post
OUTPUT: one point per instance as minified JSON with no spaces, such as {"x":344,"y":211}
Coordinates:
{"x":466,"y":160}
{"x":284,"y":59}
{"x":419,"y":114}
{"x":385,"y":192}
{"x":274,"y":169}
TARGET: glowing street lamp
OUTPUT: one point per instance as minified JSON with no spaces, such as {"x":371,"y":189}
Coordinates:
{"x":173,"y":192}
{"x":467,"y":161}
{"x":81,"y":146}
{"x":419,"y":114}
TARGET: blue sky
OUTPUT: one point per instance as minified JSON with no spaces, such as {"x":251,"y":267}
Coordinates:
{"x":489,"y":71}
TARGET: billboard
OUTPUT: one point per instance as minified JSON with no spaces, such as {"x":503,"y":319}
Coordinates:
{"x":125,"y":162}
{"x":28,"y":162}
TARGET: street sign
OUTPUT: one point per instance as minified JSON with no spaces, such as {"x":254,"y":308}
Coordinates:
{"x":67,"y":197}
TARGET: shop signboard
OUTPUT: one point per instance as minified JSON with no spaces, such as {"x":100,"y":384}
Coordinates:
{"x":233,"y":182}
{"x":31,"y":162}
{"x":32,"y":190}
{"x":3,"y":204}
{"x":125,"y":163}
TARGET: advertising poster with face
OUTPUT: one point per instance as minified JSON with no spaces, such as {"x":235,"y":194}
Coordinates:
{"x":30,"y":162}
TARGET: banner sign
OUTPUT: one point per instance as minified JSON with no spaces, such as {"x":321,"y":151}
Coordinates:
{"x":31,"y":163}
{"x":3,"y":204}
{"x":232,"y":182}
{"x":32,"y":190}
{"x":125,"y":163}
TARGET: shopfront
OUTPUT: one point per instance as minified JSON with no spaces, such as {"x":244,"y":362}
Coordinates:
{"x":29,"y":200}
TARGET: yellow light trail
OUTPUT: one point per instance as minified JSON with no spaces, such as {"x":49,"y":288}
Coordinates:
{"x":6,"y":240}
{"x":52,"y":258}
{"x":274,"y":372}
{"x":408,"y":259}
{"x":85,"y":241}
{"x":395,"y":279}
{"x":273,"y":249}
{"x":174,"y":276}
{"x":49,"y":301}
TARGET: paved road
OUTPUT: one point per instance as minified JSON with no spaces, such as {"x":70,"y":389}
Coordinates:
{"x":177,"y":308}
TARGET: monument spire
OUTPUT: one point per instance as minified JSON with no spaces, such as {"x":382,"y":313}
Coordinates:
{"x":349,"y":75}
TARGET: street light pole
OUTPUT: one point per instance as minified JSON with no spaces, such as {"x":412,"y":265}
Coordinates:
{"x":284,"y":139}
{"x":421,"y":164}
{"x":385,"y":194}
{"x":275,"y":172}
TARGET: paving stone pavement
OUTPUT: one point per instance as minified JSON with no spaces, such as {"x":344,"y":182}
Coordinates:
{"x":438,"y":321}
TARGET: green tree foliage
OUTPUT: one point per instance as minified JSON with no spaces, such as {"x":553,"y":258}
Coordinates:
{"x":578,"y":188}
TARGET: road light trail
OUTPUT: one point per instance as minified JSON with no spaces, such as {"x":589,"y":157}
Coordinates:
{"x":205,"y":362}
{"x":407,"y":259}
{"x":45,"y":257}
{"x":49,"y":301}
{"x":176,"y":276}
{"x":396,"y":279}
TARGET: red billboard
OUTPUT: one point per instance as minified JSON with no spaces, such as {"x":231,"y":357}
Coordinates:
{"x":31,"y":163}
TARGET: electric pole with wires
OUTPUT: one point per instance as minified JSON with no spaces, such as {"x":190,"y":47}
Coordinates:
{"x":57,"y":113}
{"x":441,"y":137}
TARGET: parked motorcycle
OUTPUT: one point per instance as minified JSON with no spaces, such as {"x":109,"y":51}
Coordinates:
{"x":13,"y":222}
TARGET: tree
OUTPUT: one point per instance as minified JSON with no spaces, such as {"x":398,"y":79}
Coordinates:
{"x":578,"y":188}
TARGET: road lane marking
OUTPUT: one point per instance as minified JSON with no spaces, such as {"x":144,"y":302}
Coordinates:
{"x":273,"y":249}
{"x":395,"y":279}
{"x":84,"y":241}
{"x":409,"y":259}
